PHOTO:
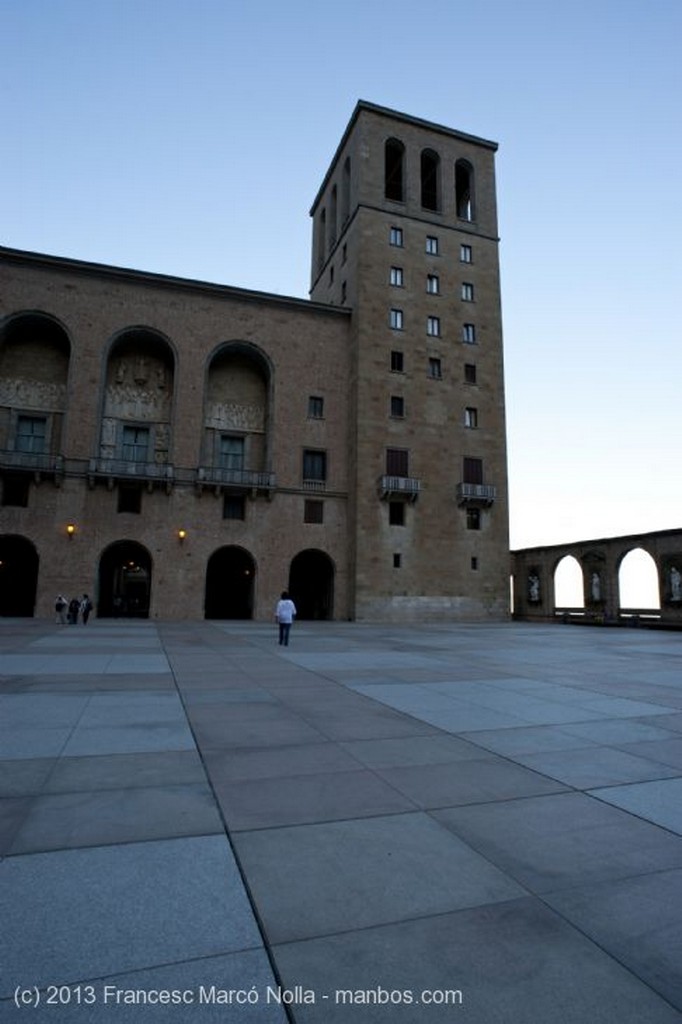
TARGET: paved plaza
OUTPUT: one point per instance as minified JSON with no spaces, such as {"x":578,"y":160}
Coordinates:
{"x":475,"y":823}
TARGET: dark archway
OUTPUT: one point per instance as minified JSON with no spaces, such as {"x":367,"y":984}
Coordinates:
{"x":125,"y":581}
{"x":18,"y":576}
{"x":230,"y":580}
{"x":311,"y":584}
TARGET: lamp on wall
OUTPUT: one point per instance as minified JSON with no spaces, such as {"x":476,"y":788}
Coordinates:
{"x":181,"y":535}
{"x":70,"y":530}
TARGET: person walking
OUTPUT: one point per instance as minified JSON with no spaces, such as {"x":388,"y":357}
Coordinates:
{"x":74,"y":608}
{"x":60,"y":606}
{"x":86,"y":608}
{"x":285,"y":613}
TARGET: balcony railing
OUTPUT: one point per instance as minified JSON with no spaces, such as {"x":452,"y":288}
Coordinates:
{"x":123,"y":469}
{"x":476,"y":495}
{"x":400,"y":487}
{"x":32,"y":462}
{"x":237,"y":479}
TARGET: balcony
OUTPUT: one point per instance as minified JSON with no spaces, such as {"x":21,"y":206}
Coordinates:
{"x":475,"y":495}
{"x":149,"y":473}
{"x":407,"y":487}
{"x":39,"y":464}
{"x":241,"y":480}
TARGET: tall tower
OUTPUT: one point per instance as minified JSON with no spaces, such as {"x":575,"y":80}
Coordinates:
{"x":405,"y":233}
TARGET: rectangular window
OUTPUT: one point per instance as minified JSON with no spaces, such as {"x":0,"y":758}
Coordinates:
{"x":396,"y":277}
{"x":344,"y":253}
{"x":471,"y":417}
{"x":234,"y":506}
{"x":473,"y":471}
{"x":396,"y":319}
{"x":315,"y":407}
{"x":397,"y":361}
{"x":314,"y":466}
{"x":31,"y":432}
{"x":397,"y":561}
{"x":130,"y":499}
{"x":467,"y":292}
{"x":135,"y":446}
{"x":396,"y":237}
{"x":433,"y":326}
{"x":397,"y":462}
{"x":466,"y":254}
{"x":397,"y":406}
{"x":432,"y":245}
{"x":313,"y":512}
{"x":473,"y":519}
{"x":396,"y":513}
{"x":469,"y":334}
{"x":331,"y":274}
{"x":343,"y":292}
{"x":15,"y":490}
{"x":435,"y":369}
{"x":474,"y":563}
{"x":231,"y":452}
{"x":433,"y":284}
{"x":470,"y":373}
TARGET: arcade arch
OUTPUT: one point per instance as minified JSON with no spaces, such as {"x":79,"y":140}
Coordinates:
{"x":638,"y":585}
{"x":18,"y":576}
{"x":569,"y":589}
{"x":124,"y":581}
{"x":230,"y":584}
{"x":311,"y":584}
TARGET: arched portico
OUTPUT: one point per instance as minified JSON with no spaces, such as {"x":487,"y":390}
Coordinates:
{"x":124,"y":581}
{"x":230,"y":584}
{"x":609,"y":596}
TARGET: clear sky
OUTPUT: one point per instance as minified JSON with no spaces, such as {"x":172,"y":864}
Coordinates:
{"x":145,"y":134}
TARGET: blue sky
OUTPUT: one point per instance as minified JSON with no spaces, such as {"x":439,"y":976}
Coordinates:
{"x":144,"y":133}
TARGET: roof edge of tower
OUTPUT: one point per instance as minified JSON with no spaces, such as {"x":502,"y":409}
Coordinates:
{"x":396,"y":115}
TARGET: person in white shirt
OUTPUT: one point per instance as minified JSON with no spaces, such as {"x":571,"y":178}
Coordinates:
{"x":285,"y":614}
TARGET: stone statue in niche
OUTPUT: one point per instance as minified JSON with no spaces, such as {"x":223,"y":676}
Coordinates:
{"x":534,"y":588}
{"x":141,"y":371}
{"x":675,"y":578}
{"x":595,"y":586}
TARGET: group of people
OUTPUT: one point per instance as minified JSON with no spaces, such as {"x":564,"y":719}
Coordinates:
{"x":69,"y":612}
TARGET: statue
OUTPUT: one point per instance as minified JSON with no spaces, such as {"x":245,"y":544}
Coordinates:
{"x":534,"y":587}
{"x":595,"y":586}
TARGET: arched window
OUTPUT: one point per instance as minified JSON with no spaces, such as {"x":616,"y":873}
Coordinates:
{"x":332,"y":217}
{"x":430,"y":178}
{"x":464,"y":190}
{"x":394,"y":170}
{"x":321,"y":239}
{"x":345,"y":191}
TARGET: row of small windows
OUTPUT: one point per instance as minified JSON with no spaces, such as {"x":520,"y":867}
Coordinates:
{"x":398,"y":512}
{"x":396,"y":321}
{"x":397,"y":408}
{"x":435,"y":367}
{"x":395,"y":183}
{"x":396,"y":238}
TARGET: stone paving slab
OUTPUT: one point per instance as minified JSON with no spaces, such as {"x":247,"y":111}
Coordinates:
{"x":659,"y":801}
{"x":347,"y":875}
{"x":73,"y":915}
{"x":512,"y":962}
{"x":553,"y":842}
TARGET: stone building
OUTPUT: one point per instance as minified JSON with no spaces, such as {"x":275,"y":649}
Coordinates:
{"x":179,"y":449}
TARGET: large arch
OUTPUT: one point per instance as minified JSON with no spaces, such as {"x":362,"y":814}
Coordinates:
{"x":394,"y":170}
{"x":34,"y":365}
{"x":238,"y":400}
{"x":311,"y":584}
{"x":638,"y":583}
{"x":569,"y":587}
{"x":124,"y":581}
{"x":230,"y":584}
{"x":18,"y":576}
{"x":137,"y":401}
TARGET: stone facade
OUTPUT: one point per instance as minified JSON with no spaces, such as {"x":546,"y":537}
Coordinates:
{"x":182,"y":449}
